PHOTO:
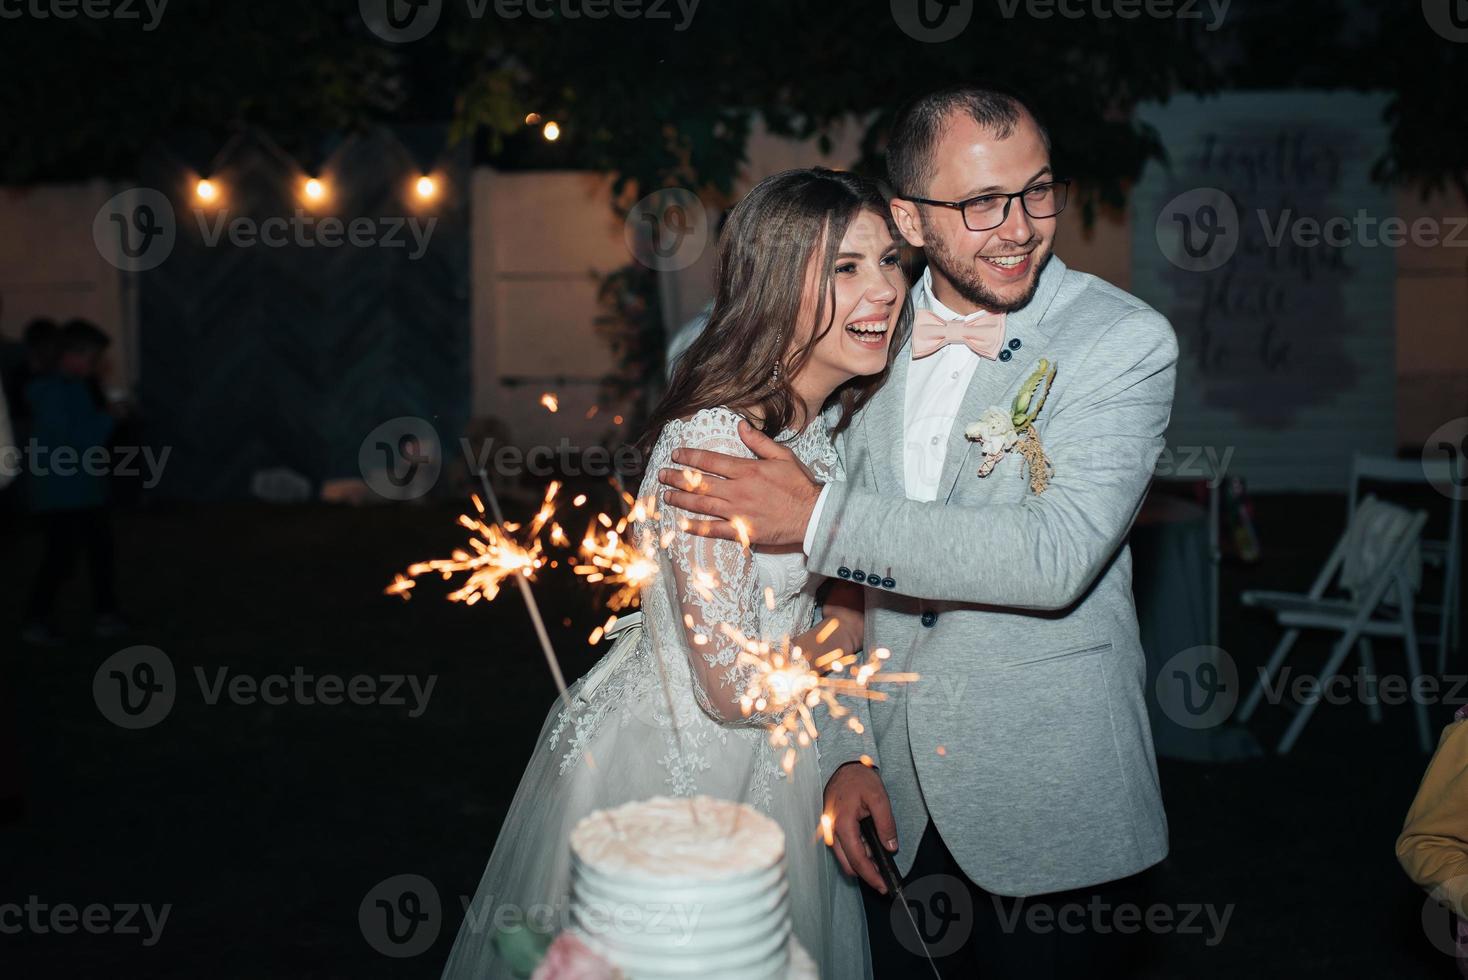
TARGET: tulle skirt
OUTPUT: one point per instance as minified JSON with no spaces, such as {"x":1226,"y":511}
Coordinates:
{"x":616,"y":747}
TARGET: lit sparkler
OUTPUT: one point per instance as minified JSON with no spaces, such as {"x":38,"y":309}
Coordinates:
{"x":492,"y":557}
{"x":495,"y":555}
{"x":610,"y":557}
{"x":786,"y":686}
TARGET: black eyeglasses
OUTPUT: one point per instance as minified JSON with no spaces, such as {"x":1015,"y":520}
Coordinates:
{"x":992,"y":210}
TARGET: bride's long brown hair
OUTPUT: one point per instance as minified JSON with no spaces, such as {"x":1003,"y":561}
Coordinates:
{"x":760,"y":280}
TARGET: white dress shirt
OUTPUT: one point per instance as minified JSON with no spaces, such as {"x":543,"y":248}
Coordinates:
{"x":935,"y":388}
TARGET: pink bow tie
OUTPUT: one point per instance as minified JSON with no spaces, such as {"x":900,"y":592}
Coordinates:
{"x":931,"y":333}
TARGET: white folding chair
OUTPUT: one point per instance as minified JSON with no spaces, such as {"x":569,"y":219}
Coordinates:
{"x":1373,"y":568}
{"x":1443,"y":553}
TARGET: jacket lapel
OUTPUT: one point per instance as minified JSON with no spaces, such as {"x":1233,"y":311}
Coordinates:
{"x":883,"y":419}
{"x":994,"y":382}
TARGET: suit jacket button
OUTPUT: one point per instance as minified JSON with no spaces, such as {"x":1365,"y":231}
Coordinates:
{"x":843,"y":572}
{"x":929,"y":618}
{"x":889,"y":583}
{"x":858,"y":576}
{"x":1015,"y":344}
{"x":1005,"y":355}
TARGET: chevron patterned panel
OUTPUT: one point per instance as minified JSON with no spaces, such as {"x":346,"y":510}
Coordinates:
{"x":258,"y":357}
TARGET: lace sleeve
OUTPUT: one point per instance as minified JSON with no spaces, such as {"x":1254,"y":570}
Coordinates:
{"x":711,"y":586}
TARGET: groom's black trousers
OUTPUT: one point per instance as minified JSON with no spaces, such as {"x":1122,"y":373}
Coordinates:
{"x":974,"y":933}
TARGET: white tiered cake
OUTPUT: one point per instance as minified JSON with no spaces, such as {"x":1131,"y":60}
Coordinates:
{"x":685,"y":888}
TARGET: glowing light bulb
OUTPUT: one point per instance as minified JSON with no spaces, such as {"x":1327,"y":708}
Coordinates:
{"x":315,"y":189}
{"x":426,"y":187}
{"x":205,"y":190}
{"x":551,"y":131}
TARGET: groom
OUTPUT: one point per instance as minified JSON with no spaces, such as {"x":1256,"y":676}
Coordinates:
{"x":1015,"y":783}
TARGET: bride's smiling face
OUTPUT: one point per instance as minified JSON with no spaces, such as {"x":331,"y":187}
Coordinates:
{"x":866,"y":291}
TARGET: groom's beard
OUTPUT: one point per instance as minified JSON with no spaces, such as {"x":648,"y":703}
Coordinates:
{"x":970,"y":284}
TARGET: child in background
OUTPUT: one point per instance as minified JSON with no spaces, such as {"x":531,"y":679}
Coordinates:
{"x":68,"y":490}
{"x":1433,"y":847}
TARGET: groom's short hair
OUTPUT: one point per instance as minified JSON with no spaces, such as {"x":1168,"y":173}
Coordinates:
{"x":919,"y":127}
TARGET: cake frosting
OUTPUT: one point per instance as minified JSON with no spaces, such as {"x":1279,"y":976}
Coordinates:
{"x":685,"y":887}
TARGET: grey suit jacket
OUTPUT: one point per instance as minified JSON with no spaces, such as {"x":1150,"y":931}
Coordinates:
{"x":1026,"y":739}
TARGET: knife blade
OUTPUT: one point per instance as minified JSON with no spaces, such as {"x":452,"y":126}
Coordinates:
{"x":887,"y":868}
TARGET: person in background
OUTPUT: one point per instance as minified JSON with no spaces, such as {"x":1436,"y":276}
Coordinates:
{"x":41,"y":342}
{"x":1433,"y":846}
{"x":68,"y":490}
{"x":685,"y":336}
{"x":23,"y":363}
{"x":12,"y":804}
{"x":9,"y":453}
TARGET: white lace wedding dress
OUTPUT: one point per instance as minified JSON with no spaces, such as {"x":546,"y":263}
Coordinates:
{"x":618,"y":741}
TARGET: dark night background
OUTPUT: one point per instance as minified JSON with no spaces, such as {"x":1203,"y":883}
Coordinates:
{"x":263,"y":827}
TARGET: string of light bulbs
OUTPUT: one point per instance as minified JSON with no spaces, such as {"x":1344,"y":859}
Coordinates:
{"x":314,"y":187}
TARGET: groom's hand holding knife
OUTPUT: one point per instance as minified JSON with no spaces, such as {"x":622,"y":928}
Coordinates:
{"x":855,"y":792}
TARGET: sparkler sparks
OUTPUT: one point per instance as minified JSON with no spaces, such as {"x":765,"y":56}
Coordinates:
{"x":786,"y":685}
{"x":493,"y":556}
{"x":401,"y":586}
{"x":610,"y":557}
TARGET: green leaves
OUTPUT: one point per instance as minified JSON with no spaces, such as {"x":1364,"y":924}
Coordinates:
{"x":1032,"y":394}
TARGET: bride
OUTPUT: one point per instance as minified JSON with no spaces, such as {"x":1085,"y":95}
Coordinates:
{"x":809,"y":296}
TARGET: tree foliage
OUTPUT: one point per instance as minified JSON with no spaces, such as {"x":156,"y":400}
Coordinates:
{"x":658,"y":102}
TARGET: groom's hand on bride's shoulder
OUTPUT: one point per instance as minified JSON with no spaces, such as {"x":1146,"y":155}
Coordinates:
{"x":854,"y":791}
{"x":767,"y":500}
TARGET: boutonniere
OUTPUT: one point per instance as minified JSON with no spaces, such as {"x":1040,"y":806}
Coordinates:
{"x":999,"y":431}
